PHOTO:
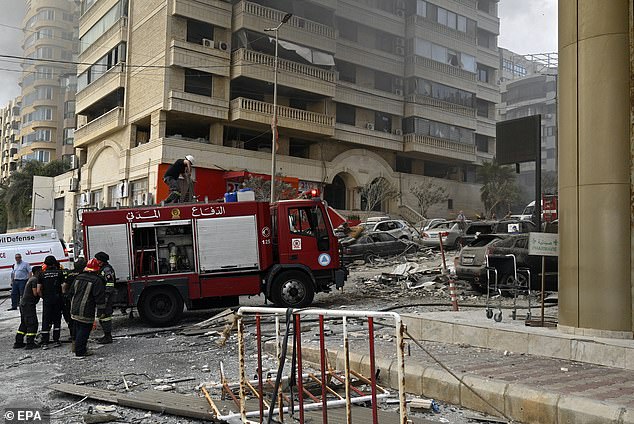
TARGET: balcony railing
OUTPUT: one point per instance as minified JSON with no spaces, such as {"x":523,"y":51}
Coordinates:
{"x":100,"y":126}
{"x":442,"y":105}
{"x":441,"y":67}
{"x":282,"y":64}
{"x":295,"y":21}
{"x":439,"y":147}
{"x":287,"y":116}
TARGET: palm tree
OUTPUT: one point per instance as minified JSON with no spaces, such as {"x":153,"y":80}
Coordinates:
{"x":498,"y":186}
{"x":18,"y":195}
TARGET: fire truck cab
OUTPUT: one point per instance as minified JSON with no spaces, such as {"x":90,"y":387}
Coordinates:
{"x":207,"y":255}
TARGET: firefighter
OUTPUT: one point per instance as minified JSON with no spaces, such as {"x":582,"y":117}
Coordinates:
{"x":88,"y":294}
{"x":69,"y":278}
{"x":180,"y":167}
{"x":28,"y":314}
{"x":107,"y":273}
{"x":49,"y":288}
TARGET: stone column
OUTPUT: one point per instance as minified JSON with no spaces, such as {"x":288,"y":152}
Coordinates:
{"x":595,"y":273}
{"x":158,"y":124}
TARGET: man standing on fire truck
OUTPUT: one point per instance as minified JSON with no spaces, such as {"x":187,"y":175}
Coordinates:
{"x":180,"y":167}
{"x":107,"y":273}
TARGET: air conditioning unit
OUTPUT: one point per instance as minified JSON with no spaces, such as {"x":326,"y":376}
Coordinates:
{"x":208,"y":43}
{"x":222,"y":45}
{"x":370,"y":126}
{"x":397,"y":131}
{"x":398,"y":91}
{"x":399,"y":41}
{"x":400,"y":13}
{"x":74,"y":185}
{"x":74,"y":162}
{"x":399,"y":51}
{"x":398,"y":82}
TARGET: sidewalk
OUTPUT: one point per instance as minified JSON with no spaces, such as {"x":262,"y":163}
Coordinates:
{"x":533,"y":375}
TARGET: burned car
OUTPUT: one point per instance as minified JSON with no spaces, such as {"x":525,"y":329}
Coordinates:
{"x":472,"y":262}
{"x":372,"y":245}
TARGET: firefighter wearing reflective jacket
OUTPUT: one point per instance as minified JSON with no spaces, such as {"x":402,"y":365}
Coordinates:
{"x":88,"y":294}
{"x":28,"y":314}
{"x":49,"y":287}
{"x":107,"y":273}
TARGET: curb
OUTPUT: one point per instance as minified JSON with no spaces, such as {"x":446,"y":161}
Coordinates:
{"x":517,"y":401}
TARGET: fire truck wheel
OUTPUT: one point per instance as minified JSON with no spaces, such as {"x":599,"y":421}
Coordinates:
{"x":292,"y":289}
{"x":161,"y":306}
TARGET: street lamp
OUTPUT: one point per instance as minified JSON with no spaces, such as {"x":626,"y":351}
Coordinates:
{"x":274,"y":121}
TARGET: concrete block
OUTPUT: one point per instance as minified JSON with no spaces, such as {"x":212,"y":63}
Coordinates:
{"x":554,"y":347}
{"x":627,"y":417}
{"x":439,"y":384}
{"x":507,"y":340}
{"x":414,"y":378}
{"x":473,"y":336}
{"x":437,"y":331}
{"x":491,"y":390}
{"x":629,"y":359}
{"x":393,"y":375}
{"x":529,"y":405}
{"x":598,"y":353}
{"x":413,"y":324}
{"x":383,"y":365}
{"x":578,"y":410}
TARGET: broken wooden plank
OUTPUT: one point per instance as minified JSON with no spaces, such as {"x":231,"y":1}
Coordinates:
{"x":169,"y":403}
{"x":92,"y":392}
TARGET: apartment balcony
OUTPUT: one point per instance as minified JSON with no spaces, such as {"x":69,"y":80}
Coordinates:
{"x":197,"y":56}
{"x":37,"y":145}
{"x":439,"y":147}
{"x":419,"y":26}
{"x":438,"y":110}
{"x":215,"y":12}
{"x":440,"y":72}
{"x":369,"y":98}
{"x":116,"y":34}
{"x":488,"y":22}
{"x":195,"y":104}
{"x":488,"y":92}
{"x":255,"y":111}
{"x":390,"y":63}
{"x":482,"y":157}
{"x":94,"y":13}
{"x":368,"y":138}
{"x":255,"y":17}
{"x":290,"y":74}
{"x":110,"y":81}
{"x":100,"y":127}
{"x":488,"y":56}
{"x":374,"y":18}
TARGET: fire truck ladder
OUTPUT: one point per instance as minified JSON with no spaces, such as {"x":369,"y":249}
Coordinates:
{"x":319,"y":390}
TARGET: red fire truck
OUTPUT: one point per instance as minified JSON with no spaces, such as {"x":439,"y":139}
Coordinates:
{"x":206,"y":255}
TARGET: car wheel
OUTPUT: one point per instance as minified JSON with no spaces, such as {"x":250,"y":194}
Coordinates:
{"x":161,"y":306}
{"x":369,"y":257}
{"x":292,"y":289}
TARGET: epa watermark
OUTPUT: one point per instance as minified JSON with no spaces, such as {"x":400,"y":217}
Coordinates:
{"x":26,"y":416}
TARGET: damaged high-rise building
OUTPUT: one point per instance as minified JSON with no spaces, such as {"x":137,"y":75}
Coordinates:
{"x":403,"y":90}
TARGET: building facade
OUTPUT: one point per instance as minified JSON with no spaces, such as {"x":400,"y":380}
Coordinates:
{"x":398,"y":89}
{"x":48,"y":82}
{"x":529,"y":87}
{"x":9,"y":137}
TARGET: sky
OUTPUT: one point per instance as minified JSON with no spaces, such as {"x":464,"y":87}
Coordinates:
{"x":526,"y":26}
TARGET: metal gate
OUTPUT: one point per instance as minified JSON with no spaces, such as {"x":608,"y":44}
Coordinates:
{"x":268,"y":392}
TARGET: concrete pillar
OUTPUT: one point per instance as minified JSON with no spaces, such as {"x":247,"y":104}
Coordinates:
{"x":158,"y":124}
{"x":595,"y":273}
{"x":216,"y":133}
{"x":284,"y":145}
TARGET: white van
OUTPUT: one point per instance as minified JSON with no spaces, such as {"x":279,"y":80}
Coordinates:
{"x":34,"y":246}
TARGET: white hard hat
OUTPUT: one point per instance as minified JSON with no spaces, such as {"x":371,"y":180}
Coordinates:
{"x":190,"y":158}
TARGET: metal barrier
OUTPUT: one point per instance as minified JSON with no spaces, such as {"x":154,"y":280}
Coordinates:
{"x":307,"y":400}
